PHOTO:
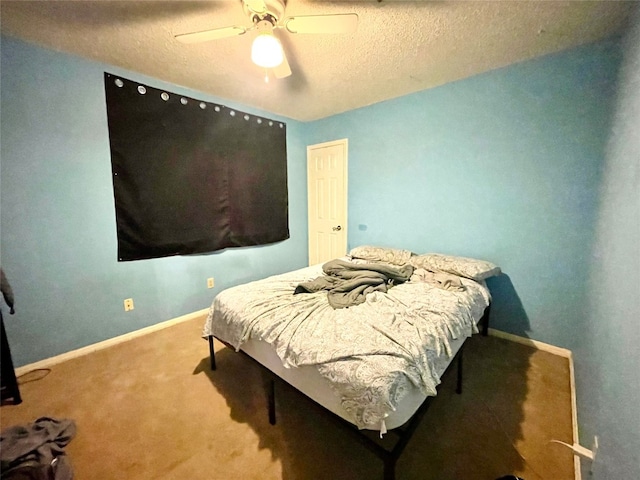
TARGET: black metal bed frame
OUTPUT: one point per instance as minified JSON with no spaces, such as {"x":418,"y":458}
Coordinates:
{"x":403,"y":433}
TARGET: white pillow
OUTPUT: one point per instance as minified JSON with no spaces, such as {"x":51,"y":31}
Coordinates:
{"x":381,"y":254}
{"x":472,"y":268}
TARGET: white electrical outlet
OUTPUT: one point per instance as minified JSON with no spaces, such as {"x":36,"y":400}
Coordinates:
{"x":210,"y":282}
{"x":128,"y":304}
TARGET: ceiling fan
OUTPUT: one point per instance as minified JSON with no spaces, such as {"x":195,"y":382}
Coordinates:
{"x":267,"y":16}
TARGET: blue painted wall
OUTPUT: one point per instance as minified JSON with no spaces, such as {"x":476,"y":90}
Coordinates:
{"x":608,"y":356}
{"x":58,"y":235}
{"x":503,"y":166}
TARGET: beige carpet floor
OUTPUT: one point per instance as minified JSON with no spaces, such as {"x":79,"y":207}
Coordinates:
{"x":150,"y":408}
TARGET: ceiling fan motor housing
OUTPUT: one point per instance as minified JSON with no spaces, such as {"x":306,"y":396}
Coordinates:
{"x":258,"y":10}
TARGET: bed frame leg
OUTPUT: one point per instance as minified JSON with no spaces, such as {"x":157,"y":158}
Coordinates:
{"x":271,"y":394}
{"x":212,"y":354}
{"x":460,"y":356}
{"x":485,"y":321}
{"x":390,"y":468}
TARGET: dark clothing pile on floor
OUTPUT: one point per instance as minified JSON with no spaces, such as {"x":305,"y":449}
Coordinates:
{"x":36,"y":451}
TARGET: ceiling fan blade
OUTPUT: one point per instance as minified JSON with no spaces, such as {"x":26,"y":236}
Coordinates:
{"x":332,"y":23}
{"x":208,"y":35}
{"x":256,"y":6}
{"x":283,"y":70}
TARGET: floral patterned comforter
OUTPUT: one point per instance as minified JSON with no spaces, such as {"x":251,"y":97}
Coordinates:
{"x":372,"y":353}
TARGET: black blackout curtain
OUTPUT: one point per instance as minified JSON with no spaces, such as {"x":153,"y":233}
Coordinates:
{"x":192,"y":176}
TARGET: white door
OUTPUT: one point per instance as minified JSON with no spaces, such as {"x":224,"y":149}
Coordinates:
{"x":327,"y":199}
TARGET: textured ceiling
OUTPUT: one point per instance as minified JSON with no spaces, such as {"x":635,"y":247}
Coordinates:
{"x":398,"y":48}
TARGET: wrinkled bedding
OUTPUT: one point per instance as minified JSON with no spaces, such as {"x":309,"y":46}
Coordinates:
{"x":371,"y":353}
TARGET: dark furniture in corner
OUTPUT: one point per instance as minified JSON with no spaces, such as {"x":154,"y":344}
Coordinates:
{"x":9,"y":389}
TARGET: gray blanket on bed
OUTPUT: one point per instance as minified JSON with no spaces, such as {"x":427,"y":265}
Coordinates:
{"x":348,"y":284}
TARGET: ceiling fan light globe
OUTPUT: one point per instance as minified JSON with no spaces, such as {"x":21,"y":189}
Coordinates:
{"x":266,"y":51}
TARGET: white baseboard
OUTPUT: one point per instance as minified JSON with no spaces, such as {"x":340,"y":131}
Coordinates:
{"x":49,"y":362}
{"x":563,"y":352}
{"x":545,"y":347}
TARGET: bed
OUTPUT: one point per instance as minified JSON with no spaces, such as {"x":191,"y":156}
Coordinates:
{"x":367,"y":336}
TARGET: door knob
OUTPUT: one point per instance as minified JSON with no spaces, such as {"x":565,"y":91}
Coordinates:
{"x":337,"y":229}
